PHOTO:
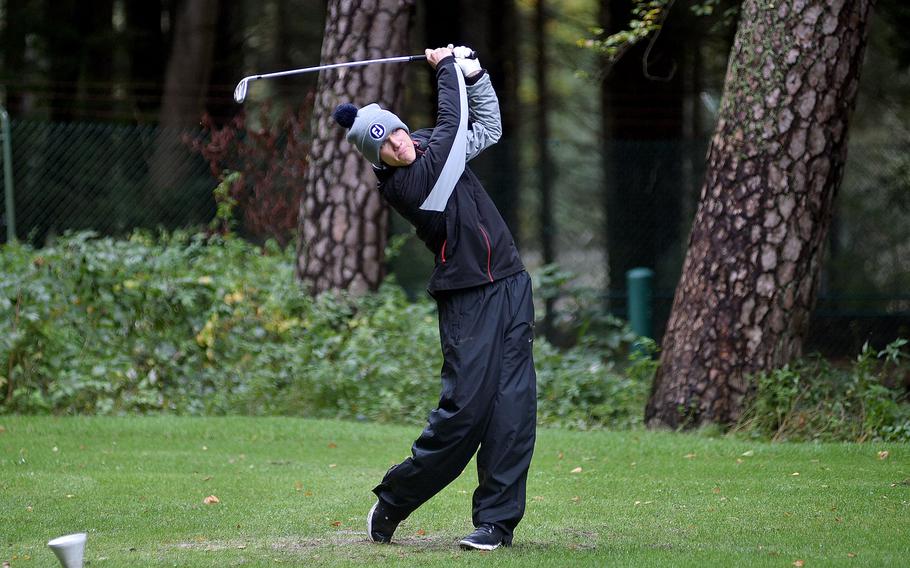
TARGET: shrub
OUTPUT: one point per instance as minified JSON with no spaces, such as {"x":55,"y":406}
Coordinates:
{"x":194,"y":324}
{"x":814,"y":400}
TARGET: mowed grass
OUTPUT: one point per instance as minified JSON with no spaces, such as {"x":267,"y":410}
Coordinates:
{"x":296,"y":492}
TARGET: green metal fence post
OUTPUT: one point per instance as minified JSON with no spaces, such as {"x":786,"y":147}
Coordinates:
{"x":638,"y":286}
{"x":8,"y":177}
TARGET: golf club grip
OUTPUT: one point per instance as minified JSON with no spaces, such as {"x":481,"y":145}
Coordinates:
{"x":473,"y":55}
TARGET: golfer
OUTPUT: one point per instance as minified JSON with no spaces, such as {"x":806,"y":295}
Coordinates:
{"x":483,"y":293}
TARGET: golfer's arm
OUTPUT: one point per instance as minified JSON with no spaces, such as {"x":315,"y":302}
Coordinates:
{"x":485,"y":122}
{"x":447,"y":118}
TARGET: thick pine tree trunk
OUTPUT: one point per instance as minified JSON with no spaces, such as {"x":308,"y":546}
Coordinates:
{"x":774,"y":167}
{"x":343,"y":222}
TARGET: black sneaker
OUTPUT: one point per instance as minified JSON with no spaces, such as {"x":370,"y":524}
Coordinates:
{"x":485,"y":537}
{"x":380,"y":523}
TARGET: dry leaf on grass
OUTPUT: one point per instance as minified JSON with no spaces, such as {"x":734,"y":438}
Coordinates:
{"x":576,"y":470}
{"x":799,"y":563}
{"x":421,"y":532}
{"x":336,"y":523}
{"x":211,"y":500}
{"x":883,"y":455}
{"x":689,"y":456}
{"x":333,"y":445}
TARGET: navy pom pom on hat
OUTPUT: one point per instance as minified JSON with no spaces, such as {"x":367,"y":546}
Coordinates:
{"x":369,"y":127}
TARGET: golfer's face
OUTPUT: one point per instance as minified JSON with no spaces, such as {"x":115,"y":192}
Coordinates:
{"x":398,"y":149}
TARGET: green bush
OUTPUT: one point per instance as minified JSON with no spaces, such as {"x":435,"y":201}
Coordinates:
{"x":196,"y":324}
{"x":814,"y":400}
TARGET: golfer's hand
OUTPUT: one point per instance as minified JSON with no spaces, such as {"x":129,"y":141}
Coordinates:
{"x":434,"y":56}
{"x":469,"y":67}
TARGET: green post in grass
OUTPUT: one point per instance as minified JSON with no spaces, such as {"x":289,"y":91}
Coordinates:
{"x":8,"y":176}
{"x":638,"y":286}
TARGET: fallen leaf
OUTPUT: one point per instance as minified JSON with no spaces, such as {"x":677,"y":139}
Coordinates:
{"x":798,"y":563}
{"x":211,"y":500}
{"x":576,"y":499}
{"x":739,"y":460}
{"x":716,"y":490}
{"x":308,"y":494}
{"x":298,"y":486}
{"x":561,"y":455}
{"x":748,"y":454}
{"x":576,"y":470}
{"x":207,"y":478}
{"x":29,"y":508}
{"x":2,"y":429}
{"x":333,"y":465}
{"x":333,"y":445}
{"x":689,"y":456}
{"x":421,"y":532}
{"x":851,"y":555}
{"x":883,"y":455}
{"x":336,"y":523}
{"x":538,"y":497}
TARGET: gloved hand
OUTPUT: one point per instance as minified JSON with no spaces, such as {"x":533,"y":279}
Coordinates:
{"x":469,"y":67}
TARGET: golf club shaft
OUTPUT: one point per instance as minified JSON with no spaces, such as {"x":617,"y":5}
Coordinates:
{"x":402,"y":59}
{"x":241,"y":90}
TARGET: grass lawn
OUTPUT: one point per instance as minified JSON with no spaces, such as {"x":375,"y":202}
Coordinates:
{"x":296,"y":492}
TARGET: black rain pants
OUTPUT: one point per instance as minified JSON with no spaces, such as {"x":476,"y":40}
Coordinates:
{"x":488,"y":400}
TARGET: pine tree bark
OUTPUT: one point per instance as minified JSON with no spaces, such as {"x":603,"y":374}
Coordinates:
{"x":776,"y":160}
{"x":343,"y":222}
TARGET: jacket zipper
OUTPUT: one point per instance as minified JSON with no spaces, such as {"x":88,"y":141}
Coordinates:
{"x":489,"y":252}
{"x":442,"y":251}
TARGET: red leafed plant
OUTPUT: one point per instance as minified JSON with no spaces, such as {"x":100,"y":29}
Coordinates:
{"x":270,"y":154}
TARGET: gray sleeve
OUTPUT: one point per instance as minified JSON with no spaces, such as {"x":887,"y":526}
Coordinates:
{"x":483,"y":111}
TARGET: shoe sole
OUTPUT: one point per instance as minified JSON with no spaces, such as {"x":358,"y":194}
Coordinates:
{"x":468,"y":545}
{"x":370,"y":522}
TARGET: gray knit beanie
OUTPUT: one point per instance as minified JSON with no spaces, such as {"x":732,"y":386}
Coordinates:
{"x":369,"y":127}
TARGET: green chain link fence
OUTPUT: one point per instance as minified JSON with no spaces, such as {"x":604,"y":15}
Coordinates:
{"x":105,"y":177}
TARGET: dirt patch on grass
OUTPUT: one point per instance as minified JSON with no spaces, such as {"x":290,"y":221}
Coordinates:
{"x":359,"y":539}
{"x":356,"y":543}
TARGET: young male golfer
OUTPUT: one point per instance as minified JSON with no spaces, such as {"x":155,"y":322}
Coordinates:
{"x":486,"y":314}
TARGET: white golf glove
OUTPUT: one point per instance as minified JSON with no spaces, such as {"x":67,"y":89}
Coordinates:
{"x":469,"y":67}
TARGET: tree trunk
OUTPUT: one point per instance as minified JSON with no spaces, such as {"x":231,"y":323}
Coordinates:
{"x":343,"y":222}
{"x":14,"y":68}
{"x":544,"y":160}
{"x":147,"y":50}
{"x":183,"y":102}
{"x":190,"y":64}
{"x":776,"y":160}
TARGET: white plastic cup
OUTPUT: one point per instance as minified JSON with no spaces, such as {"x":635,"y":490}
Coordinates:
{"x":69,"y":549}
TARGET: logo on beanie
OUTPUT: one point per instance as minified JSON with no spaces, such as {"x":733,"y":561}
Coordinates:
{"x":377,"y":131}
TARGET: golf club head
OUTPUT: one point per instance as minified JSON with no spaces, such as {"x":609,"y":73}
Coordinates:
{"x":69,"y":549}
{"x":240,"y":90}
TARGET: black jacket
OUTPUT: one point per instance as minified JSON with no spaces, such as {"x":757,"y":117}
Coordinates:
{"x":469,"y":239}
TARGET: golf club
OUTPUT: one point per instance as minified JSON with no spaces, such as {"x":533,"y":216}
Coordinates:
{"x":241,"y":90}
